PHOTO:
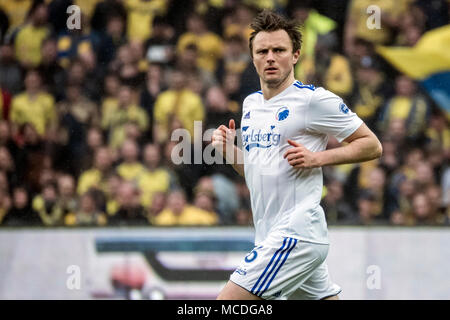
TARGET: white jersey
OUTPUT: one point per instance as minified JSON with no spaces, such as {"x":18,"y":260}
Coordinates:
{"x":284,"y":199}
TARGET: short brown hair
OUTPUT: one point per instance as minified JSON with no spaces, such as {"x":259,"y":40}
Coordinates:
{"x":270,"y":21}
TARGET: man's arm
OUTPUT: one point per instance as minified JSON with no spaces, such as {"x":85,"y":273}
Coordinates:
{"x":223,"y":141}
{"x":238,"y":162}
{"x":362,"y":145}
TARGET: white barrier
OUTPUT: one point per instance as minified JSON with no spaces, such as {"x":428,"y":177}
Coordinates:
{"x":368,"y":263}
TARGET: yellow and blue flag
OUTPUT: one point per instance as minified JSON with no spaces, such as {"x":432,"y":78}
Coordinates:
{"x":428,"y":62}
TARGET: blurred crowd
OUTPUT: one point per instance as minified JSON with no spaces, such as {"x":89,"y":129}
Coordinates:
{"x":88,"y":107}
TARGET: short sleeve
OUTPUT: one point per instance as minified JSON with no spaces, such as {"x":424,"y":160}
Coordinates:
{"x":328,"y":114}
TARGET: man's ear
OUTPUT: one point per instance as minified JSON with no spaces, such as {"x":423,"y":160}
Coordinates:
{"x":296,"y":56}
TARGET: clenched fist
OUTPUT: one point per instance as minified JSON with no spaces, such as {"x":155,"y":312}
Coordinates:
{"x":223,"y":137}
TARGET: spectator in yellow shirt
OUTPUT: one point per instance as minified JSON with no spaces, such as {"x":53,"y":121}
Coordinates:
{"x":408,"y":106}
{"x":206,"y":201}
{"x":30,"y":37}
{"x":179,"y":212}
{"x":89,"y":213}
{"x":96,"y":177}
{"x":68,"y":199}
{"x":47,"y":206}
{"x":102,"y":177}
{"x":110,"y":101}
{"x":210,"y":46}
{"x":130,"y":169}
{"x":140,"y":17}
{"x":176,"y":108}
{"x":33,"y":106}
{"x":127,"y":111}
{"x":156,"y":178}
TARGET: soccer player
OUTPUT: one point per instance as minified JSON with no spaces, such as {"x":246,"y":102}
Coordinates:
{"x":284,"y":138}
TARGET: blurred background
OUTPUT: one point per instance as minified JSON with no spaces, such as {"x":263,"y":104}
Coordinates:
{"x":90,"y":96}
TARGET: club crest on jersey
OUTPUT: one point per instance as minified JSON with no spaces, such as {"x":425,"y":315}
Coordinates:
{"x":282,"y":114}
{"x":343,"y":107}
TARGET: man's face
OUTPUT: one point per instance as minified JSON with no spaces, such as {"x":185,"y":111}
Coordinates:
{"x":40,"y":16}
{"x":32,"y":81}
{"x":20,"y":198}
{"x":125,"y":96}
{"x":66,"y":186}
{"x":49,"y":51}
{"x":103,"y":159}
{"x":273,"y":57}
{"x":177,"y":80}
{"x":176,"y":202}
{"x":405,"y":86}
{"x":152,"y":155}
{"x":130,"y":151}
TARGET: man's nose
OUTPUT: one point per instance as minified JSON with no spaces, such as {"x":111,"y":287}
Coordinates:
{"x":270,"y":56}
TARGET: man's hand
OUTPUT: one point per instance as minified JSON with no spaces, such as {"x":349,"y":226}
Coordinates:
{"x":299,"y":157}
{"x":361,"y":145}
{"x":223,"y":137}
{"x":223,"y":141}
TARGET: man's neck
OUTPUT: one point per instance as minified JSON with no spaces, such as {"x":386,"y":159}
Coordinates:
{"x":270,"y":91}
{"x":32,"y":93}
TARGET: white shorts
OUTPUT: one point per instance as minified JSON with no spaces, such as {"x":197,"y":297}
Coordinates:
{"x":286,"y":268}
